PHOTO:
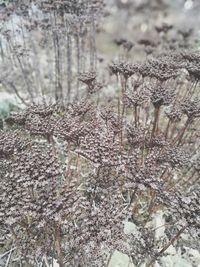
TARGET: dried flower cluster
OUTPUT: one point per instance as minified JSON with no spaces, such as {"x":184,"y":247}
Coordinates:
{"x":72,"y":175}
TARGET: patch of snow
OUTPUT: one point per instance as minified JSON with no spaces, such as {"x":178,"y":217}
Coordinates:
{"x":120,"y":260}
{"x":174,"y":261}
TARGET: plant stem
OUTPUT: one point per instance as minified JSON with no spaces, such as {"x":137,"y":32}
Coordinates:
{"x":58,"y":245}
{"x":166,"y":246}
{"x":156,"y":120}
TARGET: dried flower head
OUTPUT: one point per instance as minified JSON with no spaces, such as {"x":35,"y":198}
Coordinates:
{"x":161,"y":95}
{"x":191,"y":107}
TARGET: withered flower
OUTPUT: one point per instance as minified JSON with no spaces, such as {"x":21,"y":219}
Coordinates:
{"x":125,"y":69}
{"x":191,"y":107}
{"x":88,"y":77}
{"x":161,"y":96}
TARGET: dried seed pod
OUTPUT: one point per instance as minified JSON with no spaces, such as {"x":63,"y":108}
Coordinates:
{"x":161,"y":96}
{"x":191,"y":107}
{"x":125,"y":69}
{"x":88,"y":77}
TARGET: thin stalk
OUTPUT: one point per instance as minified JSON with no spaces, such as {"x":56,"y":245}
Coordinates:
{"x":190,"y":177}
{"x":1,"y":49}
{"x":59,"y":90}
{"x":78,"y":61}
{"x":123,"y":86}
{"x":26,"y":80}
{"x":188,"y":90}
{"x":133,"y":196}
{"x":109,"y":258}
{"x":15,"y":91}
{"x":82,"y":50}
{"x":166,"y":246}
{"x":136,"y":115}
{"x":194,"y":88}
{"x":69,"y":63}
{"x":8,"y":259}
{"x":156,"y":120}
{"x":58,"y":245}
{"x":151,"y":207}
{"x":181,"y":133}
{"x":93,"y":44}
{"x":167,"y":129}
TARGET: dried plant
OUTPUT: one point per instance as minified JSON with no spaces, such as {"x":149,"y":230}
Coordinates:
{"x":73,"y":173}
{"x":51,"y":37}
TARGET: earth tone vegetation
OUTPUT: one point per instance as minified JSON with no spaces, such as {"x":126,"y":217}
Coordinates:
{"x":92,"y":149}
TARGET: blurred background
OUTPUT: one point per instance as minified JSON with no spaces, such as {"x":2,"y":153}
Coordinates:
{"x":42,"y":57}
